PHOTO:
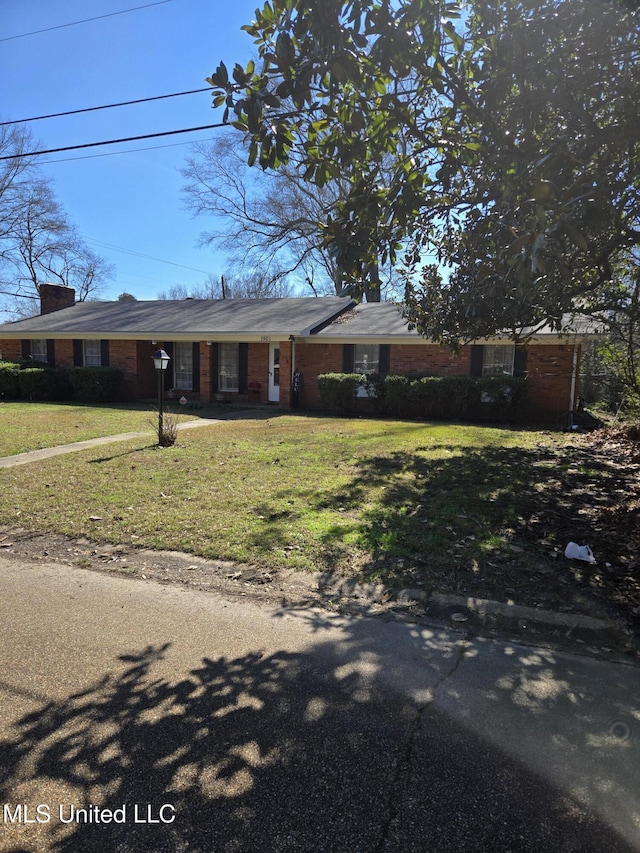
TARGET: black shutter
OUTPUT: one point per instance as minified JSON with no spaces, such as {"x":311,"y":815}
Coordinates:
{"x":104,"y":353}
{"x":26,"y":348}
{"x":214,"y":368}
{"x":195,"y":367}
{"x":51,"y":352}
{"x":477,"y":360}
{"x":169,"y":372}
{"x":520,"y":362}
{"x":348,"y":358}
{"x":78,"y":356}
{"x":243,"y":368}
{"x":384,"y":359}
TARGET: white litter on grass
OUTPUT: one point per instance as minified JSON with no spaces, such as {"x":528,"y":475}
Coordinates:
{"x":573,"y":551}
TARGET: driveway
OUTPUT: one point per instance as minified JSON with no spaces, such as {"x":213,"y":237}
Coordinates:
{"x":141,"y":717}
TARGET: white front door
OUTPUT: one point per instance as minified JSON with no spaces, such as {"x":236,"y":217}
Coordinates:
{"x":274,"y":373}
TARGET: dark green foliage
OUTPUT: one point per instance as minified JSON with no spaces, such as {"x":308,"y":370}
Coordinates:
{"x":96,"y":384}
{"x":430,"y":397}
{"x":43,"y":383}
{"x":499,"y":135}
{"x":9,"y":380}
{"x":338,"y":392}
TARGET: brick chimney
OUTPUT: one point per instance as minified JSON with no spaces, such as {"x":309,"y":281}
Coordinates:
{"x":53,"y":297}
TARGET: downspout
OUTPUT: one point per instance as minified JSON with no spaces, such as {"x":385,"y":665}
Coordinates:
{"x":574,"y":379}
{"x":292,"y":339}
{"x":293,"y":355}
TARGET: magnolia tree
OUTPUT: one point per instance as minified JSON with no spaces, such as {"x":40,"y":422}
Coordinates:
{"x":490,"y":147}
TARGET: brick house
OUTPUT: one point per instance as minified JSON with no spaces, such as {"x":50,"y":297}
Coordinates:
{"x":249,"y":348}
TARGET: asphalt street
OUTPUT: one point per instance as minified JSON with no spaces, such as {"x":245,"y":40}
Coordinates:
{"x":142,"y":717}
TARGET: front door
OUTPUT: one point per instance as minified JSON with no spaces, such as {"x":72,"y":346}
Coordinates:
{"x":274,"y":373}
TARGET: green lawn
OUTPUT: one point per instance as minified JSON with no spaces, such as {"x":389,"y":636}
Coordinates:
{"x":399,"y":501}
{"x":32,"y":426}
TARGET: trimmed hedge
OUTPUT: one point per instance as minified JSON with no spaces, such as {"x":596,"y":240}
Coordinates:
{"x":43,"y":383}
{"x":9,"y":388}
{"x":24,"y":381}
{"x":96,"y":384}
{"x":429,"y":397}
{"x":338,"y":392}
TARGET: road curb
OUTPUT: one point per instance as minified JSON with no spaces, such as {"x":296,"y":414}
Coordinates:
{"x":483,"y":617}
{"x":516,"y":611}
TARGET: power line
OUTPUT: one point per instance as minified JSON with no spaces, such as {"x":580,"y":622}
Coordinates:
{"x":133,"y":252}
{"x":104,"y":107}
{"x":113,"y":141}
{"x":117,"y":153}
{"x":21,"y":295}
{"x":84,"y":21}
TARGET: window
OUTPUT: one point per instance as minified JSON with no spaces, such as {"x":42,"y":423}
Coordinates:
{"x":366,"y":358}
{"x":183,"y":366}
{"x":498,"y":360}
{"x":229,"y":367}
{"x":91,"y":353}
{"x":39,"y":350}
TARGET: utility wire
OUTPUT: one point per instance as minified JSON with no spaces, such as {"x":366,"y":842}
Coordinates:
{"x":84,"y":21}
{"x":117,"y":153}
{"x":21,"y":295}
{"x":104,"y":107}
{"x":112,"y":141}
{"x":133,"y":252}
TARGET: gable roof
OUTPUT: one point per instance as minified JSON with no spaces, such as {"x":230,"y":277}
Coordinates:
{"x":369,"y":320}
{"x":325,"y":319}
{"x":202,"y":319}
{"x":378,"y":322}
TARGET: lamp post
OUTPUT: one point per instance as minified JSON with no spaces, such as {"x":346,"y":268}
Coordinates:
{"x":160,"y":362}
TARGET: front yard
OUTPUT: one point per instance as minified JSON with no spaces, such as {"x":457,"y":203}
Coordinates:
{"x":32,"y":426}
{"x":481,"y":511}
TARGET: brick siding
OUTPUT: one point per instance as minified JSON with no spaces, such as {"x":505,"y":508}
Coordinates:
{"x":11,"y":350}
{"x":549,"y":369}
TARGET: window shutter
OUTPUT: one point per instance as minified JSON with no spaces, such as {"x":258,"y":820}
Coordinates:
{"x":384,"y":362}
{"x":51,"y":352}
{"x":104,"y":353}
{"x":243,"y":368}
{"x":77,"y":353}
{"x":26,"y":348}
{"x":520,"y":362}
{"x":477,"y":359}
{"x":169,"y":372}
{"x":348,"y":358}
{"x":195,"y":368}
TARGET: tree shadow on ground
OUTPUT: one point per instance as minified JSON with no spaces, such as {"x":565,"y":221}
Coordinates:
{"x":289,"y":752}
{"x":490,"y":522}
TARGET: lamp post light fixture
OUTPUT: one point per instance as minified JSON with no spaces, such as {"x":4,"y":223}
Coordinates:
{"x":160,"y":362}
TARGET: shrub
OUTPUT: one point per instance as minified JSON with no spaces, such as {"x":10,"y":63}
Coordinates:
{"x":433,"y":397}
{"x":169,"y":434}
{"x":96,"y":384}
{"x":376,"y":391}
{"x":9,"y":388}
{"x":338,"y":392}
{"x":43,"y":383}
{"x":500,"y":396}
{"x":396,"y":395}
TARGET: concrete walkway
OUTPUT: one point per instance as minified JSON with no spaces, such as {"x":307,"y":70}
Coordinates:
{"x":48,"y":452}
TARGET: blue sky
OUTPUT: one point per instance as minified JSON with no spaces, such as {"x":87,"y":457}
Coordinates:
{"x":132,"y":200}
